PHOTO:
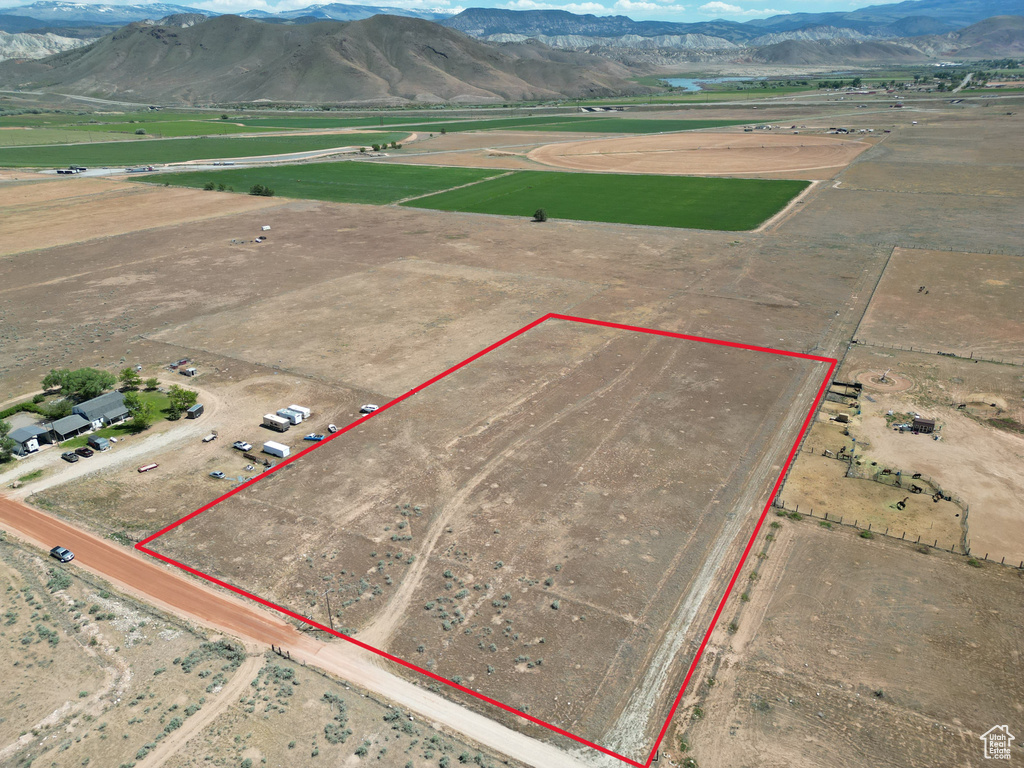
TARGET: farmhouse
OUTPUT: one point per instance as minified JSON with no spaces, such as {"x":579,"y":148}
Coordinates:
{"x":28,"y":439}
{"x":104,"y":410}
{"x":69,"y":426}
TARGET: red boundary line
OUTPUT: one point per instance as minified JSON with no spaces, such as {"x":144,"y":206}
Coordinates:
{"x":141,"y":546}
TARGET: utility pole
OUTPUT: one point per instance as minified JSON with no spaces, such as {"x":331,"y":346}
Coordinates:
{"x":330,"y":616}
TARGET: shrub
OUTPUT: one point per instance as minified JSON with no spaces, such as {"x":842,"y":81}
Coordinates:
{"x":974,"y":562}
{"x":140,"y":131}
{"x":540,"y":215}
{"x":209,"y":186}
{"x":58,"y":580}
{"x":261,"y":191}
{"x":866,"y":535}
{"x":38,"y":398}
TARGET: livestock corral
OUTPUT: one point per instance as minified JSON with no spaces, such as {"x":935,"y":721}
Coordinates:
{"x":553,"y":524}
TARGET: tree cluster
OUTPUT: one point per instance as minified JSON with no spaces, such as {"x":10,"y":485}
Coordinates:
{"x":79,"y":385}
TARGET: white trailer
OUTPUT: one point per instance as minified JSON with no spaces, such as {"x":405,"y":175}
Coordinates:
{"x":294,"y":417}
{"x":306,"y":413}
{"x":276,"y":422}
{"x":276,"y":449}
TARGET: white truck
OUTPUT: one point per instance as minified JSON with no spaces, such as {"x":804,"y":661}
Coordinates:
{"x":276,"y":449}
{"x":294,"y":417}
{"x":276,"y":422}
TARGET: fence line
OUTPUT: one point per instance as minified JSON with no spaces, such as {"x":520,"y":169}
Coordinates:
{"x":943,"y":250}
{"x":782,"y":509}
{"x":922,"y":350}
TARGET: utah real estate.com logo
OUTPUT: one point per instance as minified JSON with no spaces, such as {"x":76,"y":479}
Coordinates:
{"x":997,"y":742}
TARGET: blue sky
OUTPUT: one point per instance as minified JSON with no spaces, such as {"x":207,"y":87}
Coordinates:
{"x":666,"y":10}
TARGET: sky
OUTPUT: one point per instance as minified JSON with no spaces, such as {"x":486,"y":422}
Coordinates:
{"x":664,"y":10}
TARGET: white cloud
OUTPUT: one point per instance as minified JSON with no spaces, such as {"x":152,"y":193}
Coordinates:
{"x":620,"y":6}
{"x":533,"y":5}
{"x":643,"y":5}
{"x":718,"y":8}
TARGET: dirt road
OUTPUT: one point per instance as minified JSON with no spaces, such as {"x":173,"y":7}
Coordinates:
{"x":149,"y":581}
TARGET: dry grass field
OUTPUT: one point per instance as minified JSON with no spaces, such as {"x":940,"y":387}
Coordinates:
{"x":707,"y":154}
{"x":508,"y":461}
{"x":858,"y":653}
{"x":972,"y":304}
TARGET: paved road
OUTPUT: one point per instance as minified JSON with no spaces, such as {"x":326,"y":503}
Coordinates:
{"x":147,"y":579}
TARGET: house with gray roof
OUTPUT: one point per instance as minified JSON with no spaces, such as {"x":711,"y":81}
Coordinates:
{"x":69,"y":426}
{"x":28,"y":439}
{"x":103,"y":411}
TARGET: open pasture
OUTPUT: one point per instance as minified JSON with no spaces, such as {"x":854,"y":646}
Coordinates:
{"x":182,"y":150}
{"x":943,"y":301}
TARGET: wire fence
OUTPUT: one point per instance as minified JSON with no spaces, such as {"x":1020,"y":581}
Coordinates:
{"x":833,"y":519}
{"x":927,"y":351}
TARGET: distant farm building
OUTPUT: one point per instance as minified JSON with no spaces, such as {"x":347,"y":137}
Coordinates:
{"x":924,"y":426}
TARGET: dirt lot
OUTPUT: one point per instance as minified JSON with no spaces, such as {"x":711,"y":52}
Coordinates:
{"x":972,"y":303}
{"x":860,"y":653}
{"x":42,"y":214}
{"x":575,"y":433}
{"x":706,"y":154}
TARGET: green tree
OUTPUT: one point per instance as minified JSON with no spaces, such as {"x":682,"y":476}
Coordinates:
{"x":58,"y":409}
{"x":83,"y":384}
{"x":130,"y":380}
{"x":6,"y":443}
{"x":56,"y":378}
{"x":152,"y":383}
{"x":182,"y":399}
{"x":140,"y":410}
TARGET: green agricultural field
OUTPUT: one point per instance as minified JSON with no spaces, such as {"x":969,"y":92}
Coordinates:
{"x":298,"y":123}
{"x":44,"y":136}
{"x":178,"y":150}
{"x":174,"y":128}
{"x":662,"y":201}
{"x":344,"y":182}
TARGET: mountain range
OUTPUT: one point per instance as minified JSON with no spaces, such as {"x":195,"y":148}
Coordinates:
{"x":188,"y":56}
{"x":383,"y":60}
